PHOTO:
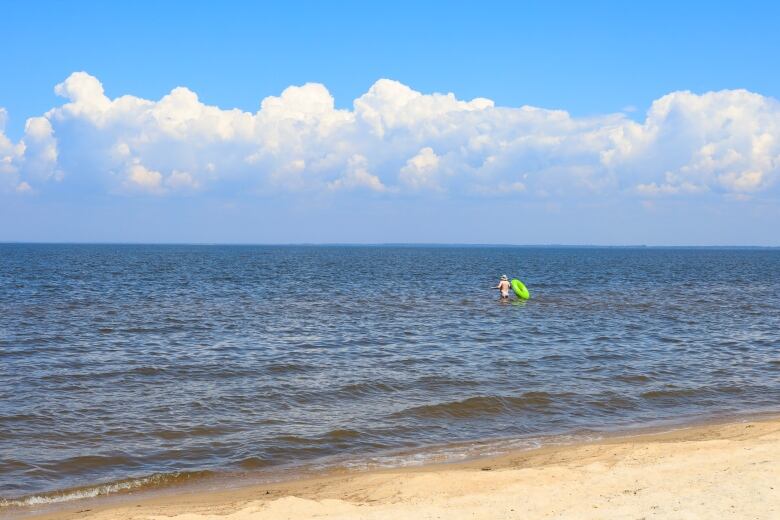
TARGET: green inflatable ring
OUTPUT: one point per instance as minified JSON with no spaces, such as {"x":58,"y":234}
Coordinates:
{"x":520,"y":290}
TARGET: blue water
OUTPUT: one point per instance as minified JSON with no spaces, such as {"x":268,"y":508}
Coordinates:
{"x":124,"y":361}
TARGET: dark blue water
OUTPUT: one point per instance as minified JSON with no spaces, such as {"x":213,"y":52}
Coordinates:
{"x":121,"y":362}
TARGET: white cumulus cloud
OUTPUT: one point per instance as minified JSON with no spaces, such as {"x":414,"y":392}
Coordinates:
{"x":140,"y":178}
{"x":358,"y":176}
{"x":421,"y":170}
{"x":721,"y":141}
{"x":10,"y":155}
{"x":394,"y":140}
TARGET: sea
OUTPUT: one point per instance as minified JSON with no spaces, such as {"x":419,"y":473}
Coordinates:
{"x":127,"y":367}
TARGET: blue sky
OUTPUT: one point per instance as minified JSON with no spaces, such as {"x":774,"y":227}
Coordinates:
{"x":636,"y":159}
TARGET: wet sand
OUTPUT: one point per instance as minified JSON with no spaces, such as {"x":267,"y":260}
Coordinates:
{"x":711,"y":471}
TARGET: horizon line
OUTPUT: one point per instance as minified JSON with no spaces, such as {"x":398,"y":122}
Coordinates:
{"x":389,"y":244}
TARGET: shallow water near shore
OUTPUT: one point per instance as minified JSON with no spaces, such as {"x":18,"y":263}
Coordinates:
{"x":160,"y":364}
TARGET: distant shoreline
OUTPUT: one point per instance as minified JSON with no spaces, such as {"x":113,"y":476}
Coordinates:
{"x":397,"y":244}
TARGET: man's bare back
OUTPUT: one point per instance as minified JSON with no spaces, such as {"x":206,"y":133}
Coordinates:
{"x":503,"y":286}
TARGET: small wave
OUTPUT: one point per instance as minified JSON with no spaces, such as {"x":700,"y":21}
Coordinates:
{"x":200,"y":431}
{"x":290,"y":444}
{"x":614,"y":403}
{"x":25,"y":418}
{"x":94,"y":375}
{"x":88,"y":462}
{"x":690,"y":392}
{"x":479,"y":406}
{"x":254,"y":463}
{"x":671,"y":394}
{"x":731,"y":389}
{"x":606,"y":356}
{"x":331,"y":436}
{"x":148,"y":371}
{"x":141,"y":330}
{"x":285,"y":368}
{"x":110,"y":488}
{"x":440,"y":382}
{"x":13,"y":464}
{"x":638,"y":378}
{"x":366,"y":388}
{"x":293,"y":439}
{"x":342,"y":434}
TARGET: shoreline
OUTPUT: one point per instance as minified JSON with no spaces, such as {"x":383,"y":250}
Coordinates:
{"x":342,"y":492}
{"x":154,"y":484}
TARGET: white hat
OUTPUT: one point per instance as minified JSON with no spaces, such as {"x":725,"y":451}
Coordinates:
{"x":503,"y":277}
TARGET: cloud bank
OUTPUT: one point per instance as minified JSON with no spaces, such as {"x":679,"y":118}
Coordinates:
{"x":394,"y":142}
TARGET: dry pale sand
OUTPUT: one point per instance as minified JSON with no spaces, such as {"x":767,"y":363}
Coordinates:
{"x":712,"y":472}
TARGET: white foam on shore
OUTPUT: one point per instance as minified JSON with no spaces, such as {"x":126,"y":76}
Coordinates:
{"x":452,"y":453}
{"x":89,"y":492}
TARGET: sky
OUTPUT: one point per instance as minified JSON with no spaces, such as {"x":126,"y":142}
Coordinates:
{"x":607,"y":123}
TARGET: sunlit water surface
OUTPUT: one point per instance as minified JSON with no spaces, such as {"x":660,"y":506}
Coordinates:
{"x":140,"y":365}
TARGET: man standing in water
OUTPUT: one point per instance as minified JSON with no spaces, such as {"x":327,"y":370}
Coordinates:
{"x":503,"y":286}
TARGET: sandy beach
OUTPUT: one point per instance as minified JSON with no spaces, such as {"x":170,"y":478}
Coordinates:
{"x":711,"y":471}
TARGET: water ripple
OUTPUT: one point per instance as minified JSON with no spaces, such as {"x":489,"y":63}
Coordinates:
{"x":130,"y":366}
